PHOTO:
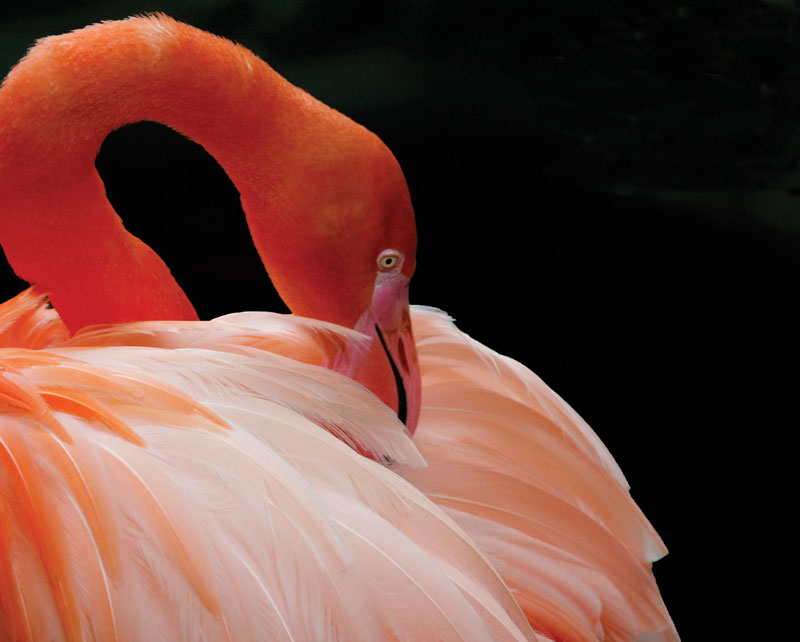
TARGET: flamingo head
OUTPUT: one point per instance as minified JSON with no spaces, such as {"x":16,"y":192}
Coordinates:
{"x":388,"y":324}
{"x":341,"y":247}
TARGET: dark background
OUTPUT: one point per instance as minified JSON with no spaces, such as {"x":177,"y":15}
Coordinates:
{"x":607,"y":191}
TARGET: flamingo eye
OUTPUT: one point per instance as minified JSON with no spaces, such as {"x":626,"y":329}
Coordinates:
{"x":389,"y":259}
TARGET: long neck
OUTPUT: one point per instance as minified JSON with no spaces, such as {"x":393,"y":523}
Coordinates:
{"x":56,"y":225}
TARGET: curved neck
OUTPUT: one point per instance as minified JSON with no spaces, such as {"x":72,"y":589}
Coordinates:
{"x":56,"y":225}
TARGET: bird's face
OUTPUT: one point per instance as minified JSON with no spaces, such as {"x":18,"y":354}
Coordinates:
{"x":387,"y":364}
{"x":342,"y":249}
{"x":385,"y":250}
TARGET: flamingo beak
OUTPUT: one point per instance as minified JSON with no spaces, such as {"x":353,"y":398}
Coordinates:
{"x":388,"y":365}
{"x":397,"y":342}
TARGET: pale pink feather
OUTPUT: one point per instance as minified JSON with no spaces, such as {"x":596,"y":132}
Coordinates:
{"x":193,"y":493}
{"x":535,"y":488}
{"x":208,"y":474}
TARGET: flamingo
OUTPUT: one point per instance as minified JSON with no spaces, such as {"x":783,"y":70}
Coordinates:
{"x":254,"y":477}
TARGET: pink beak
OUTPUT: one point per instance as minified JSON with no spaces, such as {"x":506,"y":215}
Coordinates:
{"x":388,"y":365}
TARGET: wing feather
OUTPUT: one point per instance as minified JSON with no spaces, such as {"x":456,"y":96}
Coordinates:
{"x":167,"y":469}
{"x":228,"y":509}
{"x":26,"y":321}
{"x":530,"y":482}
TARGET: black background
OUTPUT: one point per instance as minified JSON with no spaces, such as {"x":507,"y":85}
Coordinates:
{"x":606,"y":191}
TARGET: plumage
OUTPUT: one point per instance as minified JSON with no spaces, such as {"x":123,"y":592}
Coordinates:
{"x":228,"y":482}
{"x":169,"y":479}
{"x":530,"y":482}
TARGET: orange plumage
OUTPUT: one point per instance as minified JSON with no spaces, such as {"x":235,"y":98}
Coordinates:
{"x":174,"y":479}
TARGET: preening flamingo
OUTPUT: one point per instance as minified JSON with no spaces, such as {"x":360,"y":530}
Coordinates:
{"x":165,"y":478}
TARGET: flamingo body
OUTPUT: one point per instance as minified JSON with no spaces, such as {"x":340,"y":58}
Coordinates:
{"x":233,"y":479}
{"x":244,"y":403}
{"x":229,"y":506}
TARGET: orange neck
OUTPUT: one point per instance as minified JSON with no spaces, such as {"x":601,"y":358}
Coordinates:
{"x":56,"y":225}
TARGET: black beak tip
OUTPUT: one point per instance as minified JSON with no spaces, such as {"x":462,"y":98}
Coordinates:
{"x":402,"y":401}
